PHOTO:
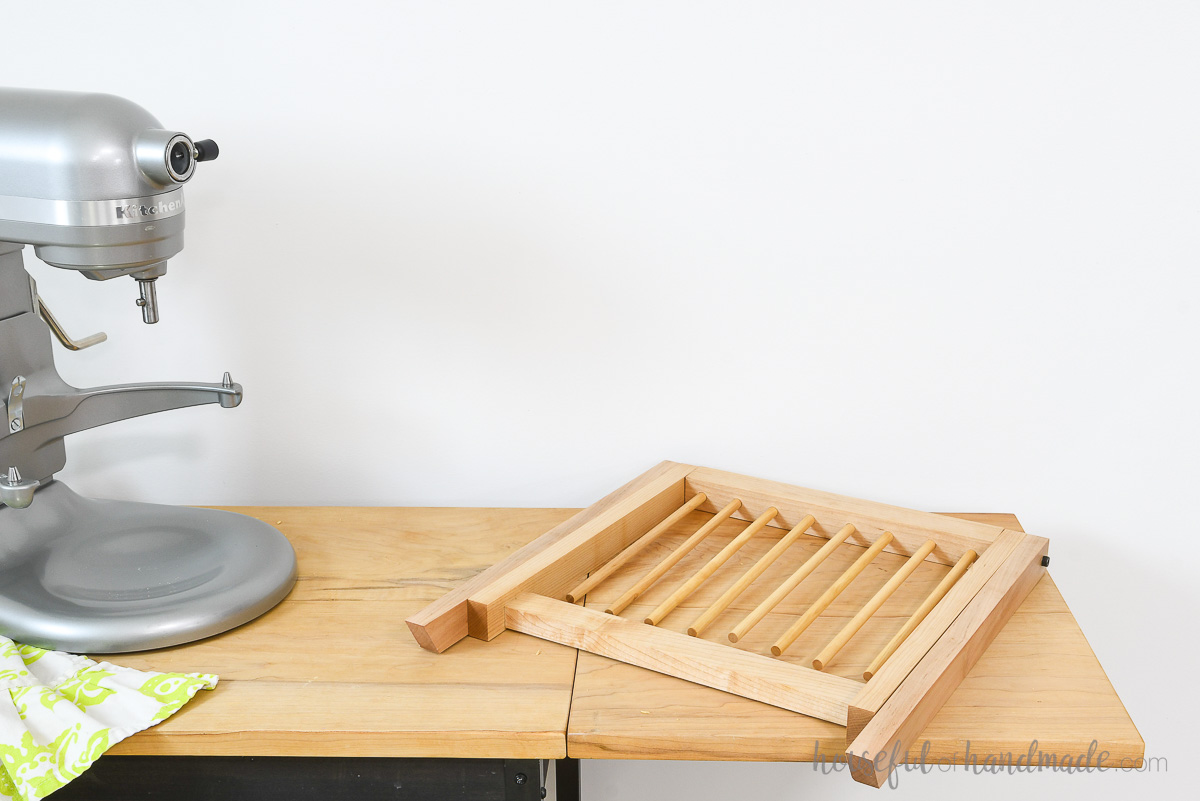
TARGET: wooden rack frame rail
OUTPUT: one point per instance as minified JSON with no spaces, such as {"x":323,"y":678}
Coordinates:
{"x":536,"y":589}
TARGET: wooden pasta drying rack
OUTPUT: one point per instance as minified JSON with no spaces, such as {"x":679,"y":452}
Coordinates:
{"x":536,"y":591}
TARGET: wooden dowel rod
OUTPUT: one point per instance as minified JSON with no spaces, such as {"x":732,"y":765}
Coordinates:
{"x":926,"y":607}
{"x":689,"y":586}
{"x":822,"y":603}
{"x":872,"y":606}
{"x":709,"y":615}
{"x":751,"y":620}
{"x":662,"y":567}
{"x":590,"y":583}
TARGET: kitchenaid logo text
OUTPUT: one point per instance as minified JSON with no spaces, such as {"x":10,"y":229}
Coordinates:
{"x":134,"y":212}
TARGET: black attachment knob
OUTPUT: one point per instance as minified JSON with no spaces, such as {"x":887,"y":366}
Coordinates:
{"x":206,"y":150}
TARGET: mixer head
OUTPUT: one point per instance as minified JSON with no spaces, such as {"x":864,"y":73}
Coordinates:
{"x":94,"y":183}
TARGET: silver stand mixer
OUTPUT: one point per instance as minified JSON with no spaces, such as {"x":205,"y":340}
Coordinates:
{"x":93,"y":182}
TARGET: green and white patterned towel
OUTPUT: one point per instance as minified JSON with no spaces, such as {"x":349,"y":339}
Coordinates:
{"x":59,"y":712}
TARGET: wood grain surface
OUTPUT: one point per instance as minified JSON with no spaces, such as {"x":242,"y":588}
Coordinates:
{"x":1038,"y":680}
{"x":900,"y":722}
{"x":334,"y":671}
{"x":910,"y":528}
{"x":710,"y":664}
{"x":613,"y":525}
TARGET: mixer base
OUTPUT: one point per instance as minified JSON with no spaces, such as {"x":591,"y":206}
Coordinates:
{"x":93,"y":576}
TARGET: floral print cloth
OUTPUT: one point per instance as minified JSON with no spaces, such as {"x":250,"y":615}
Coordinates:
{"x":59,"y":712}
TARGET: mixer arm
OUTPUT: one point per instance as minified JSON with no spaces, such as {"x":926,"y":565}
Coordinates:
{"x":52,"y":416}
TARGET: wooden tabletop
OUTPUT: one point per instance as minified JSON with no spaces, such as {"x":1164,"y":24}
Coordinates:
{"x":333,"y":671}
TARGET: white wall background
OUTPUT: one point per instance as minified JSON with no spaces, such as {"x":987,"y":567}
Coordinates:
{"x":940,"y":254}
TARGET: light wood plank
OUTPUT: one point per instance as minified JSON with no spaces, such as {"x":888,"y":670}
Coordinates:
{"x":509,"y":698}
{"x":622,"y":518}
{"x":897,"y":725}
{"x":1038,"y":680}
{"x":748,"y":675}
{"x":333,"y":671}
{"x":343,"y":719}
{"x":595,"y":578}
{"x":930,"y":630}
{"x":909,"y":527}
{"x":447,"y":620}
